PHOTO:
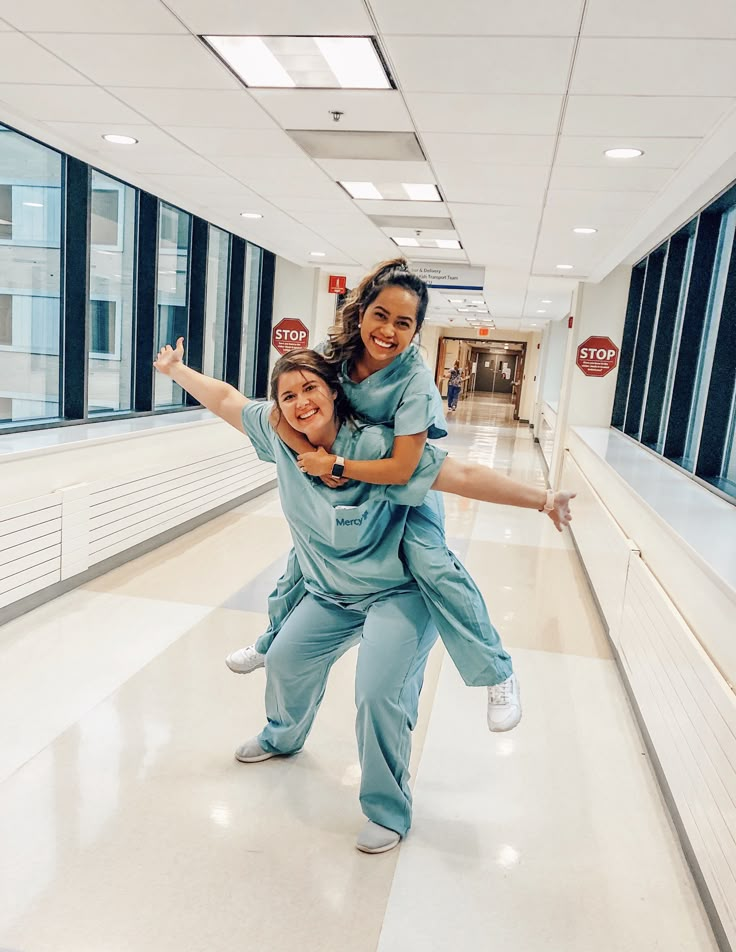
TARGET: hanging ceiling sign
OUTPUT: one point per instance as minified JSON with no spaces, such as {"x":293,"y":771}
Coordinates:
{"x":453,"y":277}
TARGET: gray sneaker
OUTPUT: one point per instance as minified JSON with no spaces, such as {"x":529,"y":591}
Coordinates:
{"x":245,"y":660}
{"x":504,"y":705}
{"x":374,"y":838}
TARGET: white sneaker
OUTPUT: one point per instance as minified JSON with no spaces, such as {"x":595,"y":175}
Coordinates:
{"x":245,"y":660}
{"x":504,"y":705}
{"x":374,"y":838}
{"x":251,"y":752}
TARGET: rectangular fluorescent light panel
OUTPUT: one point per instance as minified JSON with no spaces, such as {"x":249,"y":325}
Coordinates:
{"x":448,"y":243}
{"x":406,"y":242}
{"x":362,"y":190}
{"x":421,"y":193}
{"x":306,"y":62}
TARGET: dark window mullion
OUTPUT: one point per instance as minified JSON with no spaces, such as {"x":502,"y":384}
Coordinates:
{"x":75,"y":333}
{"x":197,"y":299}
{"x":643,"y":348}
{"x":628,"y":343}
{"x":234,"y":333}
{"x":264,"y":322}
{"x":145,"y":301}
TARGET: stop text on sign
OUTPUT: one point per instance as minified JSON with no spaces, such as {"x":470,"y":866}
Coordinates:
{"x":597,"y":356}
{"x":289,"y":334}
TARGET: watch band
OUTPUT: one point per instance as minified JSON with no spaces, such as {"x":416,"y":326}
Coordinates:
{"x":338,"y":467}
{"x":549,"y":503}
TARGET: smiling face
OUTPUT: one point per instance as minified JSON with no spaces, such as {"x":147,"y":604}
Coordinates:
{"x":308,"y":404}
{"x":388,"y":326}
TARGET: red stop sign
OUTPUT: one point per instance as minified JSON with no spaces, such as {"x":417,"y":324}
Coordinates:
{"x":597,"y":356}
{"x":289,"y":334}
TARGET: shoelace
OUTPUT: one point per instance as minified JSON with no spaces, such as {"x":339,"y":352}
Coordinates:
{"x":500,"y":693}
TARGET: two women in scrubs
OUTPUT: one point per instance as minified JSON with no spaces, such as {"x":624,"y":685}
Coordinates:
{"x":387,"y":381}
{"x":357,"y":589}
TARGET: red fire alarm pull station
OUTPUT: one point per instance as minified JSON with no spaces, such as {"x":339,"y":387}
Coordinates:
{"x":338,"y":284}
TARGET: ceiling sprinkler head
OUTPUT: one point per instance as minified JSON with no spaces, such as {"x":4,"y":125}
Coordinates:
{"x":336,"y":114}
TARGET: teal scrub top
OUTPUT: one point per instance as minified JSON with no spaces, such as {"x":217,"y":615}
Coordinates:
{"x":346,"y":540}
{"x":402,"y":395}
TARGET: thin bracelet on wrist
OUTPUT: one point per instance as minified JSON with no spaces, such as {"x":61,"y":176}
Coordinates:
{"x":549,"y":502}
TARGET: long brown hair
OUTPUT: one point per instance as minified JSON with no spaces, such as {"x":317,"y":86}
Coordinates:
{"x":303,"y":359}
{"x":344,"y":341}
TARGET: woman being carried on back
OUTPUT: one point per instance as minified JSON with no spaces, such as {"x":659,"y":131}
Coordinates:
{"x":386,"y":381}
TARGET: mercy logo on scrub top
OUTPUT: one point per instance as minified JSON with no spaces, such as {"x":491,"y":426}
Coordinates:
{"x":347,"y":525}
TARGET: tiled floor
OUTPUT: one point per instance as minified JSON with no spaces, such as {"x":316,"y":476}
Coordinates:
{"x":125,"y":824}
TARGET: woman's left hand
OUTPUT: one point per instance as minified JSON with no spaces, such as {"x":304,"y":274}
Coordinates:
{"x":561,"y":515}
{"x":319,"y":463}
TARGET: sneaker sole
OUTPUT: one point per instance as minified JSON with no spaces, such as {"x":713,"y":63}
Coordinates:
{"x":237,"y":669}
{"x":378,"y":849}
{"x":255,"y":760}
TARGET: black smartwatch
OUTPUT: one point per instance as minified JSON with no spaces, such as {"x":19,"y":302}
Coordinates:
{"x":338,"y":467}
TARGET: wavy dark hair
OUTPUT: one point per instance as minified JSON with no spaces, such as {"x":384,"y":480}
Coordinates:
{"x":304,"y":359}
{"x":344,"y":343}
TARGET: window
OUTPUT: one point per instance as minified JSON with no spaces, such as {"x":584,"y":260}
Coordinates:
{"x":136,"y":273}
{"x":111,"y":294}
{"x":30,"y":265}
{"x":6,"y":319}
{"x":172,"y":294}
{"x":218,"y":266}
{"x":676,"y":390}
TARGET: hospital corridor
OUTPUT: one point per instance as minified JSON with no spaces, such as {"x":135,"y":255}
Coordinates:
{"x":127,"y":824}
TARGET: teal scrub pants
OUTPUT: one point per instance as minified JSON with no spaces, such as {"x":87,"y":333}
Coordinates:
{"x":395,"y":635}
{"x":454,"y":601}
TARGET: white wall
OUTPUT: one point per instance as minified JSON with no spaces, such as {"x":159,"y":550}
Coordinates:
{"x":555,"y":343}
{"x":601,"y":310}
{"x":294,"y":295}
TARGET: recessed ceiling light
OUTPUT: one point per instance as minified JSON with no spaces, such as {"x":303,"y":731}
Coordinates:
{"x":316,"y":62}
{"x":545,"y":301}
{"x":623,"y":153}
{"x":120,"y":140}
{"x":421,"y":193}
{"x":251,"y":215}
{"x":362,"y":190}
{"x":318,"y":254}
{"x":456,"y":300}
{"x":541,"y":312}
{"x":534,"y":325}
{"x":405,"y":242}
{"x":564,"y":267}
{"x":585,"y":231}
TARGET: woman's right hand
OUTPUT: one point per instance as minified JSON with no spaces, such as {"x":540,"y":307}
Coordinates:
{"x":168,"y":357}
{"x":560,"y":514}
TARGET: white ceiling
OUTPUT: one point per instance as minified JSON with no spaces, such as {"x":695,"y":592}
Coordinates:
{"x":513,"y":106}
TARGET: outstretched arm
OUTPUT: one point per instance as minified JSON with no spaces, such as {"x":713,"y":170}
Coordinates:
{"x":219,"y":397}
{"x":480,"y":482}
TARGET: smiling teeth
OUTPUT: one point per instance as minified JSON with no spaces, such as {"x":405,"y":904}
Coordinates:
{"x":381,"y":343}
{"x":307,"y":416}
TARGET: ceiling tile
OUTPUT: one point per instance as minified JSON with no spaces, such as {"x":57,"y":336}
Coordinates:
{"x":599,"y":207}
{"x":495,"y":185}
{"x":285,"y":18}
{"x":179,"y":62}
{"x":5,"y":27}
{"x":490,"y":149}
{"x":483,"y":113}
{"x":655,"y":67}
{"x":90,"y":16}
{"x":355,"y":170}
{"x":23,"y":61}
{"x":155,"y":151}
{"x":243,"y":142}
{"x":610,"y":179}
{"x":480,"y":64}
{"x":343,"y":145}
{"x":707,"y":18}
{"x":67,"y":103}
{"x":470,"y":18}
{"x":363,"y":109}
{"x":225,"y":108}
{"x":668,"y":153}
{"x":648,"y":116}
